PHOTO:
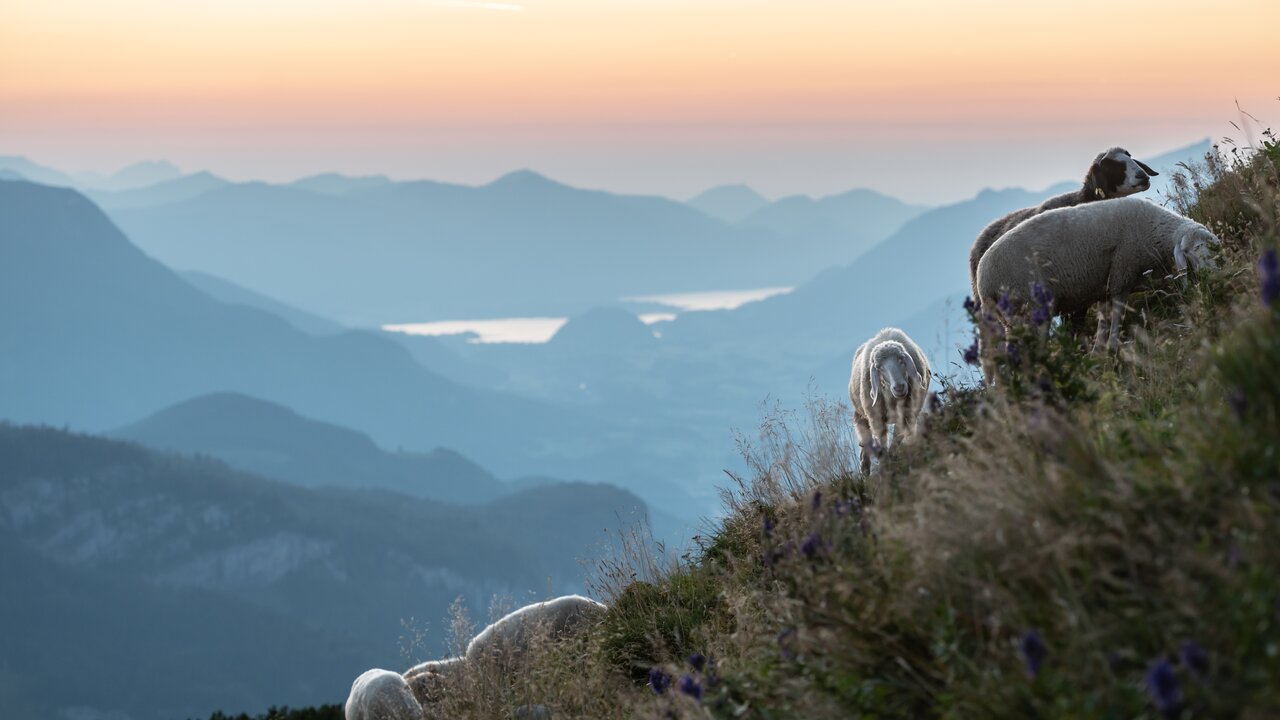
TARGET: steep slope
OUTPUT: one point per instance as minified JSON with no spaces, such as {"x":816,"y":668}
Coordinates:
{"x":275,"y":442}
{"x":185,"y":587}
{"x":95,"y":334}
{"x":228,"y":292}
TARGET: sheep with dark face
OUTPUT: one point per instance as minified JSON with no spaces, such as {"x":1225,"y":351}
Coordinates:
{"x":888,"y":386}
{"x":1112,"y":174}
{"x":1090,"y":254}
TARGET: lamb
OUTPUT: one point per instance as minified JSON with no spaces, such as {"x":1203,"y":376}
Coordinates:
{"x":888,"y":361}
{"x":1087,"y":254}
{"x":382,"y":695}
{"x":1112,"y":174}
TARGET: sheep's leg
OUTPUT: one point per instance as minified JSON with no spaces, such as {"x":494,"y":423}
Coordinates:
{"x":1117,"y":314}
{"x":863,"y":430}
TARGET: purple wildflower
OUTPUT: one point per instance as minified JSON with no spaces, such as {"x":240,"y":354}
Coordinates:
{"x":1040,"y":315}
{"x":1194,"y":658}
{"x":697,"y":661}
{"x":1045,"y":384}
{"x":1162,"y":688}
{"x":1041,"y":295}
{"x":786,"y":644}
{"x":1239,"y":403}
{"x":842,"y":507}
{"x":971,"y":353}
{"x":970,"y":306}
{"x":812,"y":545}
{"x":1033,"y":651}
{"x":689,"y":686}
{"x":1269,"y":274}
{"x":817,"y":499}
{"x":768,"y":526}
{"x":1015,"y":356}
{"x":658,"y":681}
{"x":935,"y":402}
{"x":1004,"y":305}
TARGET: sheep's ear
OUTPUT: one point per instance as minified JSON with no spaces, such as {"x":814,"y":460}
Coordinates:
{"x":1146,"y":168}
{"x":875,"y":384}
{"x":911,"y":368}
{"x":1180,"y":255}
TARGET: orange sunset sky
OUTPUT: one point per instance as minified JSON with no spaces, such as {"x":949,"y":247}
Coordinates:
{"x":929,"y":100}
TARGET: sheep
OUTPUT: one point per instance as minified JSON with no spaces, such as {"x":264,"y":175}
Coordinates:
{"x":510,"y":635}
{"x":1091,"y":253}
{"x":382,"y":695}
{"x":888,"y":361}
{"x":1112,"y":174}
{"x":505,"y":639}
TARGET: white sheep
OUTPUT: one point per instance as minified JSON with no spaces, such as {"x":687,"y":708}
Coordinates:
{"x":1091,"y":253}
{"x":382,"y":695}
{"x":888,"y":361}
{"x":1112,"y":174}
{"x":510,"y":636}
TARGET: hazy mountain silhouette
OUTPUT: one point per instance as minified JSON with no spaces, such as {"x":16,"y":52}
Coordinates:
{"x":852,"y":221}
{"x":95,"y":335}
{"x":137,"y":175}
{"x":337,"y":184}
{"x":28,"y":170}
{"x":229,"y":292}
{"x":168,"y":191}
{"x":426,"y":250}
{"x":609,"y":328}
{"x":184,"y":586}
{"x":730,"y":203}
{"x":273,"y":441}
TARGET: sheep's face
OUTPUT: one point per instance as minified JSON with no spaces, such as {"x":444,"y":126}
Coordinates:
{"x":1194,"y":250}
{"x":1116,"y":174}
{"x":892,"y":369}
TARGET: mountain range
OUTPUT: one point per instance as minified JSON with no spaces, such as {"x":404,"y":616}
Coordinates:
{"x":168,"y":587}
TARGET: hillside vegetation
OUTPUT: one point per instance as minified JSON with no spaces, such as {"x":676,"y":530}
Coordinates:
{"x":1096,"y":536}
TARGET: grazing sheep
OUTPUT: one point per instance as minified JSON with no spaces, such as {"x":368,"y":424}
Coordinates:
{"x":510,"y":635}
{"x":426,"y":679}
{"x":382,"y":695}
{"x":889,"y":361}
{"x":1091,"y":253}
{"x":1112,"y":174}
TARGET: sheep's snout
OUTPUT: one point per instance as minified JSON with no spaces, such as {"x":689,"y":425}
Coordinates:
{"x":899,"y":389}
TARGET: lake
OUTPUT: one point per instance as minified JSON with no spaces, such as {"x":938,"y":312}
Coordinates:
{"x":541,"y":329}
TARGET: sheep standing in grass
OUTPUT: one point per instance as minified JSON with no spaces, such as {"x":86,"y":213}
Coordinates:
{"x":382,"y":695}
{"x":888,"y":364}
{"x":1112,"y":174}
{"x":1088,"y":254}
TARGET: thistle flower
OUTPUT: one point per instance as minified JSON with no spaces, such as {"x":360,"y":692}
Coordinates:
{"x":1033,"y":651}
{"x":689,"y":686}
{"x":971,"y":353}
{"x":658,"y":681}
{"x":1162,"y":688}
{"x":697,"y":661}
{"x":1269,"y":274}
{"x":1194,"y":658}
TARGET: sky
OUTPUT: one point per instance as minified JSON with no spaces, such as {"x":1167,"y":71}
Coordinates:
{"x":929,"y":100}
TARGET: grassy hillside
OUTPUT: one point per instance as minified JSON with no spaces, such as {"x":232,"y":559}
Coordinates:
{"x":1097,"y":536}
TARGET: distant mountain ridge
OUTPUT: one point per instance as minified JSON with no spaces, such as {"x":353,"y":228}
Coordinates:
{"x":273,"y":441}
{"x":730,"y":203}
{"x":186,"y":587}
